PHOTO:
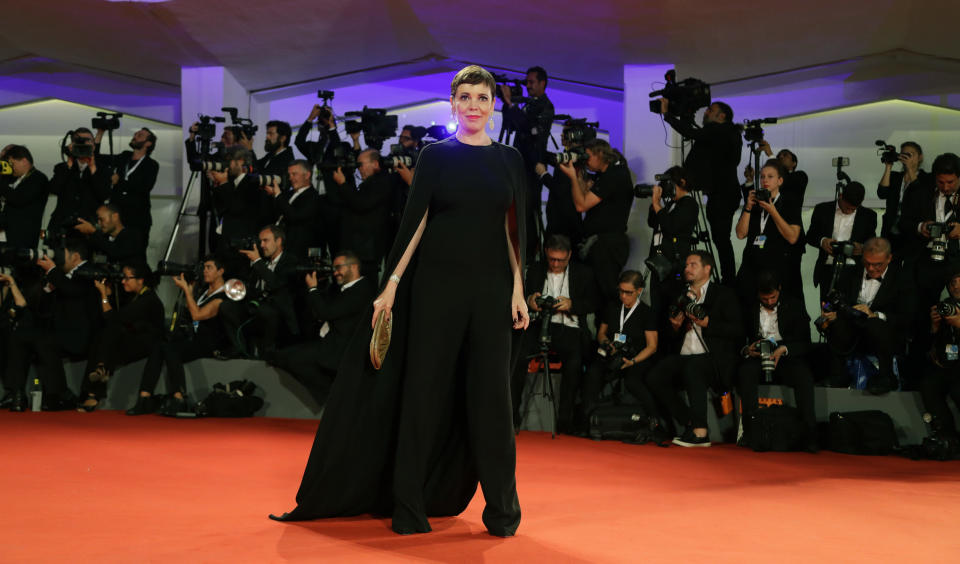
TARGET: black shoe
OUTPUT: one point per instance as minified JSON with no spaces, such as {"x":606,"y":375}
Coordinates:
{"x":88,"y":407}
{"x":690,"y":440}
{"x":18,"y":402}
{"x":145,"y":405}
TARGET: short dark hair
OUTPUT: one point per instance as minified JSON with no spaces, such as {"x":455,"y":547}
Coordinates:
{"x":352,"y":257}
{"x":789,"y":153}
{"x":416,"y":132}
{"x":777,"y":165}
{"x":78,"y":245}
{"x":275,"y":230}
{"x":706,"y":259}
{"x":853,"y":193}
{"x":767,"y":282}
{"x":726,"y":109}
{"x":473,"y":74}
{"x":678,"y":174}
{"x":139,"y":269}
{"x":947,"y":163}
{"x":913,"y":144}
{"x":81,"y":130}
{"x":235,"y":129}
{"x":152,"y":138}
{"x":19,"y":152}
{"x":558,"y":242}
{"x":283,"y":129}
{"x":238,"y":153}
{"x":541,"y":73}
{"x":302,"y":163}
{"x":631,"y":277}
{"x":111,"y":207}
{"x":216,"y":260}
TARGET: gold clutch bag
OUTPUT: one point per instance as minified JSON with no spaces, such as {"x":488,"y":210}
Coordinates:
{"x":380,"y":341}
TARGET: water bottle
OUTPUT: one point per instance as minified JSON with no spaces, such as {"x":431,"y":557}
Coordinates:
{"x":36,"y":395}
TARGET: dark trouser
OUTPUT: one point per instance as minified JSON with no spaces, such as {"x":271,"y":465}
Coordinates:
{"x":113,"y":347}
{"x":50,"y":350}
{"x":634,"y":379}
{"x":930,"y":278}
{"x":793,"y":372}
{"x":720,"y":210}
{"x":174,"y":354}
{"x":938,"y":383}
{"x":694,"y":373}
{"x":607,"y":257}
{"x":264,"y":319}
{"x":868,"y":336}
{"x":567,"y":343}
{"x":304,"y":363}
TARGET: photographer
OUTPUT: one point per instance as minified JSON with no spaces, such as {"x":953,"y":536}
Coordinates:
{"x":113,"y":240}
{"x":835,"y":223}
{"x":269,"y":301}
{"x":365,"y":226}
{"x":562,"y":215}
{"x":237,"y":196}
{"x":339,"y":310}
{"x":607,"y":205}
{"x":771,"y":224}
{"x":197,"y":336}
{"x":712,"y":165}
{"x":870,"y":313}
{"x":23,"y":197}
{"x":73,"y":320}
{"x":673,"y":217}
{"x":704,"y":332}
{"x":627,"y":339}
{"x":129,"y":334}
{"x":298,"y":220}
{"x":276,"y":146}
{"x":942,"y":375}
{"x":893,"y":188}
{"x":22,"y":301}
{"x":565,"y":294}
{"x":780,"y":324}
{"x":209,"y":215}
{"x":134,"y":175}
{"x":77,"y":183}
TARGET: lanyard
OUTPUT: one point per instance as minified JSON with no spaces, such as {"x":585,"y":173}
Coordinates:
{"x":204,"y":297}
{"x":623,"y":319}
{"x":765,"y":217}
{"x":130,"y":169}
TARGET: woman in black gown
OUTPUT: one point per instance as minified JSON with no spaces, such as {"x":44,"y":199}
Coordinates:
{"x":413,"y":439}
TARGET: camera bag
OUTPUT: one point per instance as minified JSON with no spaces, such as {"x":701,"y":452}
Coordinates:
{"x":862,"y":432}
{"x":777,"y":428}
{"x":235,"y":399}
{"x":617,"y":422}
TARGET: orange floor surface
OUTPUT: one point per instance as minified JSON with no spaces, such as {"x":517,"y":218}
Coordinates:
{"x":104,"y":487}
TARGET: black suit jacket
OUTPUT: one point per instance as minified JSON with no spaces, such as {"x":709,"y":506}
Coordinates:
{"x":277,"y":286}
{"x":77,"y":193}
{"x":23,"y":207}
{"x":239,"y":207}
{"x":126,"y":247}
{"x":919,"y":205}
{"x":713,"y":160}
{"x":891,"y":194}
{"x":141,"y":315}
{"x":76,"y":310}
{"x":723,"y":335}
{"x":275,"y":163}
{"x":677,"y":226}
{"x":562,"y":215}
{"x":895,"y":298}
{"x":366,"y":216}
{"x":583,"y":296}
{"x":299,"y":219}
{"x":132,"y":194}
{"x":344,"y":311}
{"x":792,"y":322}
{"x":821,"y":225}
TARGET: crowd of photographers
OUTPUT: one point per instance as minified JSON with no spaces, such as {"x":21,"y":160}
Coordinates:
{"x":293,"y":249}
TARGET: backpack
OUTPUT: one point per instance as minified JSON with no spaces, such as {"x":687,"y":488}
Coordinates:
{"x":777,"y":428}
{"x":235,"y":399}
{"x":862,"y":432}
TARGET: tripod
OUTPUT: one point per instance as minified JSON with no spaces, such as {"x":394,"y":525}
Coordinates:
{"x":544,"y":380}
{"x":701,"y":231}
{"x":202,"y":211}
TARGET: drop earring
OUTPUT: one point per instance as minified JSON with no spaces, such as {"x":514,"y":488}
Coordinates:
{"x":490,"y":124}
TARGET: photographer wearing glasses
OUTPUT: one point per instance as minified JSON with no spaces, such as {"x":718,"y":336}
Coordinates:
{"x":565,"y":295}
{"x":778,"y":331}
{"x":365,"y":226}
{"x":78,"y":183}
{"x":838,"y":230}
{"x":23,"y":197}
{"x":941,"y":379}
{"x":134,"y":174}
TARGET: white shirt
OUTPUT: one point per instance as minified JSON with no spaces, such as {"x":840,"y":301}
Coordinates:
{"x":769,"y":325}
{"x":842,"y":229}
{"x":869,"y":289}
{"x":557,"y":285}
{"x":693,"y":340}
{"x":293,"y":197}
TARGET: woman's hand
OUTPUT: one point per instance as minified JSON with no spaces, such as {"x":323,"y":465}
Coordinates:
{"x":101,"y":287}
{"x":384,"y":302}
{"x":518,"y":310}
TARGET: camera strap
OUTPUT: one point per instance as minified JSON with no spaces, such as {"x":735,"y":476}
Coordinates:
{"x":765,"y":217}
{"x":130,"y":169}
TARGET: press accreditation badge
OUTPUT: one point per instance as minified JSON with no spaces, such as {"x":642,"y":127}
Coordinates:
{"x":620,"y":337}
{"x":953,"y":352}
{"x":760,"y":241}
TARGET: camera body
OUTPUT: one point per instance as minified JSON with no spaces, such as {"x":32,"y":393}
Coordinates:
{"x":375,"y":124}
{"x":245,"y":124}
{"x":753,"y":129}
{"x":107,"y":121}
{"x":685,"y":97}
{"x":319,"y":264}
{"x":326,"y":96}
{"x":340,"y":156}
{"x":888,"y":153}
{"x":617,"y":349}
{"x":666,"y":183}
{"x":243,"y":243}
{"x":763,"y":195}
{"x":112,"y":273}
{"x":842,"y":249}
{"x":837,"y":303}
{"x":577,"y":156}
{"x":190,"y":272}
{"x":686,"y":304}
{"x":516,"y":87}
{"x":577,"y":131}
{"x":947,"y":308}
{"x":207,"y":127}
{"x":546,"y":303}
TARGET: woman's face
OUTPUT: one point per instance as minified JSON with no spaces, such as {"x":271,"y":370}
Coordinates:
{"x":770,"y":179}
{"x":472,"y":107}
{"x":130,"y":284}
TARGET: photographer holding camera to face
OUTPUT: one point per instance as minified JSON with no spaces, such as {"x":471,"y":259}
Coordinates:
{"x":236,"y":193}
{"x":562,"y":215}
{"x":22,"y":302}
{"x":366,"y":226}
{"x":276,"y":147}
{"x":838,"y":230}
{"x":941,"y":378}
{"x":23,"y":197}
{"x":893,"y":188}
{"x":113,"y":239}
{"x":869,"y":312}
{"x":78,"y":183}
{"x":134,"y":174}
{"x":778,"y":329}
{"x":296,"y":210}
{"x":565,"y":294}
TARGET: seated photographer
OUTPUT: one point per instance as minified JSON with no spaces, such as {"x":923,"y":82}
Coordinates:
{"x":77,"y":183}
{"x":133,"y":178}
{"x":701,"y":343}
{"x":893,"y":188}
{"x":771,"y":224}
{"x":607,"y":205}
{"x":132,"y":328}
{"x":627,"y":339}
{"x":119,"y":244}
{"x":24,"y":197}
{"x":276,"y":147}
{"x":941,"y":378}
{"x":338,"y":308}
{"x":268,"y":306}
{"x":22,"y":301}
{"x":237,"y":197}
{"x":869,"y":312}
{"x":564,"y":295}
{"x":74,"y":320}
{"x":197,"y":335}
{"x":365,"y":225}
{"x":299,"y":221}
{"x":673,"y":217}
{"x":833,"y":226}
{"x":778,"y":338}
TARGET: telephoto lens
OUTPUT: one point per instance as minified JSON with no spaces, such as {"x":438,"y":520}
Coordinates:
{"x":947,"y":309}
{"x":767,"y":364}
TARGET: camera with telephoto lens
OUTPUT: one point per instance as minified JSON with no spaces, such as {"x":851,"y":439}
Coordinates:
{"x":315,"y":263}
{"x":666,"y":183}
{"x":55,"y":235}
{"x":243,"y":243}
{"x":684,"y":97}
{"x":844,"y":249}
{"x":326,"y":96}
{"x":106,"y":121}
{"x":577,"y":131}
{"x":340,"y":156}
{"x":214,"y":166}
{"x":264,"y":180}
{"x":947,"y":308}
{"x":686,"y":304}
{"x":614,"y":351}
{"x":546,"y":303}
{"x":888,"y":153}
{"x":190,"y":272}
{"x":375,"y":124}
{"x":938,"y":240}
{"x":246,"y":124}
{"x":767,"y":365}
{"x":516,"y":87}
{"x":109,"y":272}
{"x":13,"y":256}
{"x":399,"y":155}
{"x":753,"y":130}
{"x":835,"y":302}
{"x":576,"y":156}
{"x":763,"y":195}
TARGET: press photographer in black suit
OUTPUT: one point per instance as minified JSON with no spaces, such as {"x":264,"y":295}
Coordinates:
{"x":236,"y":196}
{"x":24,"y":197}
{"x":572,"y":287}
{"x":132,"y":328}
{"x":113,"y":239}
{"x":701,"y":352}
{"x":74,"y":319}
{"x":845,"y":220}
{"x":276,"y":148}
{"x":78,"y":184}
{"x":296,"y":209}
{"x":562,"y":215}
{"x":712,"y":165}
{"x":941,"y":378}
{"x":198,"y":334}
{"x":782,"y":320}
{"x":21,"y":304}
{"x":268,"y":307}
{"x":607,"y":205}
{"x":893,"y":188}
{"x":209,"y":215}
{"x":770,"y":227}
{"x":877,"y":301}
{"x":365,"y":225}
{"x":673,"y":218}
{"x":133,"y":178}
{"x":338,"y":309}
